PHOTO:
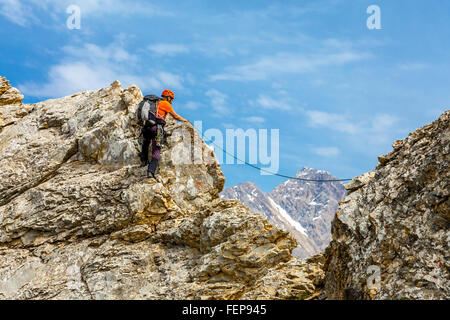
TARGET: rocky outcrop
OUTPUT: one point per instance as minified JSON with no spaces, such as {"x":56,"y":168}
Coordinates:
{"x":391,"y":233}
{"x":80,"y":220}
{"x":8,"y":94}
{"x":11,"y":108}
{"x":286,"y":280}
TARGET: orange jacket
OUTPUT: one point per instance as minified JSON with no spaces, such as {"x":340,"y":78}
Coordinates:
{"x":164,"y":107}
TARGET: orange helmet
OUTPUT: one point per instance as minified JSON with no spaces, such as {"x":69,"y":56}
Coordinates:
{"x":168,"y":93}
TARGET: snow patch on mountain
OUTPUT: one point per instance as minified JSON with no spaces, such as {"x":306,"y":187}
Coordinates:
{"x":286,"y":216}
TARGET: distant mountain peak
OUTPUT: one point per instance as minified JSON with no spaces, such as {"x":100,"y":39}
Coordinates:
{"x":303,"y":208}
{"x":307,"y":171}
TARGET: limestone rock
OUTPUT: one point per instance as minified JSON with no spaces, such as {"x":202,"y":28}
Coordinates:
{"x":8,"y":94}
{"x":391,"y":233}
{"x":296,"y":279}
{"x":11,"y":108}
{"x":79,"y":219}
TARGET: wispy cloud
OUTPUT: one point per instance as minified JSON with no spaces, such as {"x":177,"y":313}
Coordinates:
{"x":192,"y":105}
{"x":66,"y":78}
{"x":255,"y":119}
{"x":113,"y":52}
{"x":383,"y":121}
{"x":168,"y":49}
{"x":101,"y":7}
{"x":227,"y":125}
{"x":326,"y":151}
{"x":171,"y":80}
{"x":16,"y":12}
{"x":380,"y":129}
{"x":332,"y":121}
{"x":218,"y":101}
{"x":24,"y":13}
{"x":285,"y":63}
{"x":90,"y":67}
{"x":267,"y":102}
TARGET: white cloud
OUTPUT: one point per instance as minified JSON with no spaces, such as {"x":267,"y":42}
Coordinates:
{"x":16,"y":12}
{"x":100,"y":7}
{"x":170,"y":80}
{"x":255,"y":119}
{"x":266,"y":102}
{"x":383,"y":122}
{"x":381,"y":129}
{"x":218,"y":101}
{"x":378,"y":130}
{"x":332,"y":121}
{"x":192,"y":105}
{"x":24,"y":13}
{"x":65,"y":79}
{"x":229,"y":125}
{"x":283,"y":63}
{"x":90,"y":67}
{"x":327,"y":151}
{"x":168,"y":49}
{"x":92,"y":52}
{"x":68,"y":78}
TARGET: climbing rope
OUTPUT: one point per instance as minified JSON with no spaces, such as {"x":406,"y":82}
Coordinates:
{"x":261,"y":169}
{"x":273,"y":173}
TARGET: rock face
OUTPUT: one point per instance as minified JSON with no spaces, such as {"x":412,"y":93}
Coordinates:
{"x":8,"y":94}
{"x":391,"y":233}
{"x":303,"y":208}
{"x":10,"y":108}
{"x":80,"y":220}
{"x":285,"y":281}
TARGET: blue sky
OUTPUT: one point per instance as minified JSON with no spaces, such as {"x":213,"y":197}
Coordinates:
{"x":339,"y":93}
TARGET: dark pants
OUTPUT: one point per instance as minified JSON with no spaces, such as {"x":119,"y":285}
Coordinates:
{"x":149,"y":136}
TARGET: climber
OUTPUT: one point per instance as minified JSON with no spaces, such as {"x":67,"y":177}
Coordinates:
{"x":154,"y":133}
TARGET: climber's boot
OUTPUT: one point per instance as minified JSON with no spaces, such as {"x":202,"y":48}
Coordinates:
{"x":144,"y":161}
{"x":151,"y":170}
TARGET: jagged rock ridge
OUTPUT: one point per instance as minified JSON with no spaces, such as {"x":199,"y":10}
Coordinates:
{"x":80,"y":220}
{"x":391,"y":233}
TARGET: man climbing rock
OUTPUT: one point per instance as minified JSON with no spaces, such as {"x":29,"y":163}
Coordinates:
{"x":153,"y":133}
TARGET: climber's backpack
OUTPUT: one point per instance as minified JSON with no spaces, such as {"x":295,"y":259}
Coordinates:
{"x":147,"y":110}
